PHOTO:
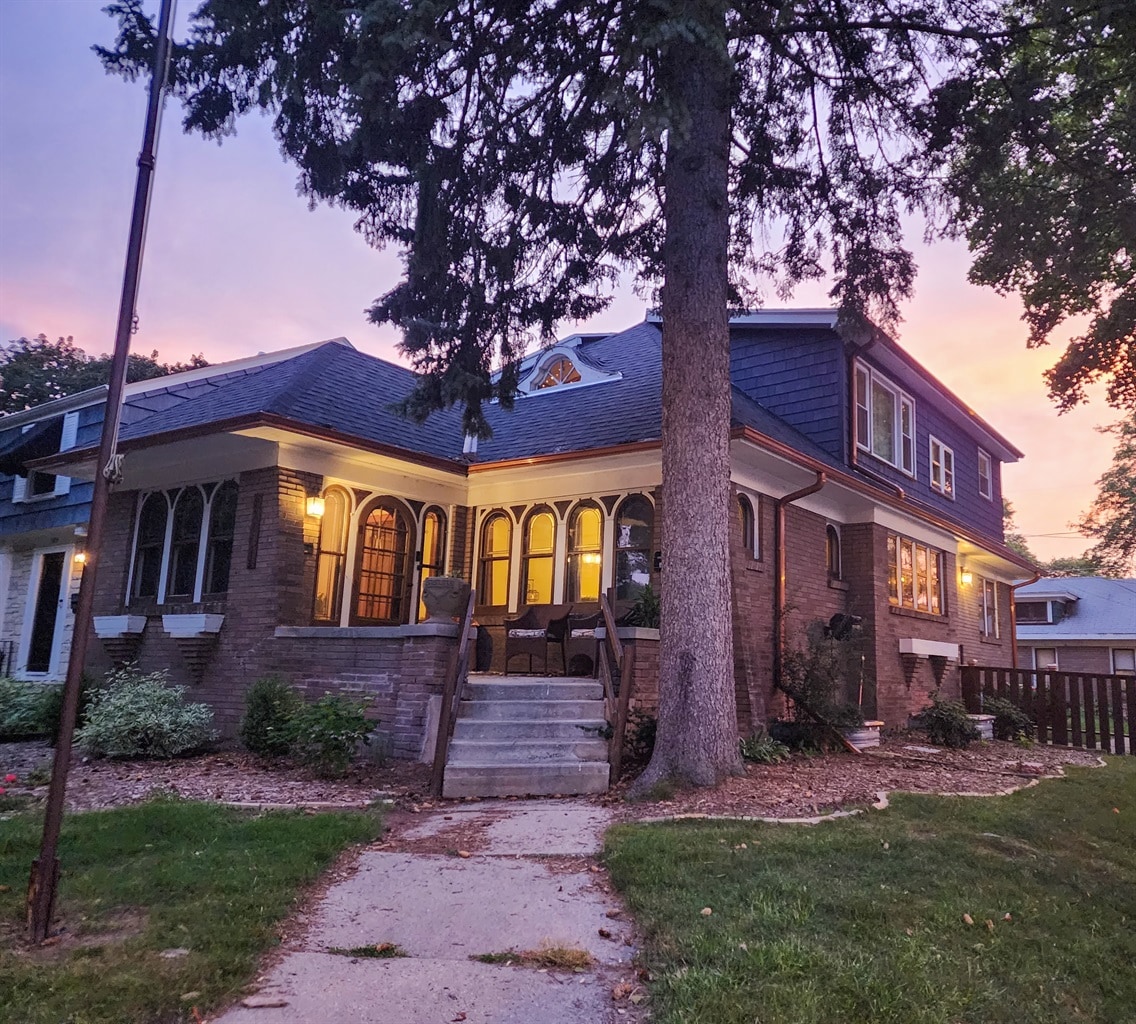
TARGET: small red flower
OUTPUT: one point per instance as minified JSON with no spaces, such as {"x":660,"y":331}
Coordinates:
{"x":10,"y":778}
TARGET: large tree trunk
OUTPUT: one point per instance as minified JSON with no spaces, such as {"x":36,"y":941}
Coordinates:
{"x":696,"y":741}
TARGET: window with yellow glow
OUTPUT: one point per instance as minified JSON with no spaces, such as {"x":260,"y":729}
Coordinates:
{"x":332,"y":558}
{"x":538,"y":558}
{"x":560,"y":372}
{"x":381,"y":576}
{"x":433,"y":552}
{"x":493,"y":575}
{"x":585,"y":554}
{"x":915,"y":575}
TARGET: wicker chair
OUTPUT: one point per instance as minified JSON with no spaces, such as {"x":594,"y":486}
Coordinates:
{"x":581,"y":643}
{"x":532,"y":632}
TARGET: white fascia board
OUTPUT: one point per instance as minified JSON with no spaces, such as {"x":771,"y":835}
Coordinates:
{"x":928,"y":648}
{"x":1033,"y":633}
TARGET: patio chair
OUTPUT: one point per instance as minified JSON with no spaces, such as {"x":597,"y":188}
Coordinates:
{"x":581,"y":644}
{"x":532,"y":632}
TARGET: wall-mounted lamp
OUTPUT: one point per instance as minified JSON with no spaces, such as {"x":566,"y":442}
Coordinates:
{"x":80,"y":557}
{"x":314,"y":506}
{"x":966,"y":577}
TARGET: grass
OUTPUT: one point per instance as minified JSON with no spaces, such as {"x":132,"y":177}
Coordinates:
{"x":556,"y":958}
{"x":158,"y":876}
{"x":378,"y":951}
{"x":861,"y":920}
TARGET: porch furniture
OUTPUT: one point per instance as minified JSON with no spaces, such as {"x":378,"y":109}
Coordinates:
{"x":532,"y":632}
{"x":580,"y":645}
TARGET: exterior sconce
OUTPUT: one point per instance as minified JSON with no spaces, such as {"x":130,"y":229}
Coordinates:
{"x":80,"y":557}
{"x":966,"y":576}
{"x":314,"y":507}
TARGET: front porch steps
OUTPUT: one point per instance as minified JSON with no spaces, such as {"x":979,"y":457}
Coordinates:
{"x":528,"y":736}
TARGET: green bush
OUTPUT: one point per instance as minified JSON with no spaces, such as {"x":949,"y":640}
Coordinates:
{"x":639,"y":743}
{"x":140,"y":715}
{"x":270,"y":706}
{"x":763,"y":749}
{"x":947,"y":723}
{"x":646,"y":610}
{"x":1010,"y":721}
{"x":24,"y":709}
{"x":324,"y":735}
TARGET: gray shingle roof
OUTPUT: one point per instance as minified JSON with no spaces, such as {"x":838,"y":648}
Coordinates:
{"x":1105,"y":609}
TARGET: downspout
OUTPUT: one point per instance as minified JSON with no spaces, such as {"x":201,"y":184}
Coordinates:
{"x":779,"y":570}
{"x":1014,"y":618}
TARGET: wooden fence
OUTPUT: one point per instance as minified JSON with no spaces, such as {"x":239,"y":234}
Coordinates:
{"x":1069,"y":709}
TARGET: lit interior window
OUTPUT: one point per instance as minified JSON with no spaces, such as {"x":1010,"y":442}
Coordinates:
{"x":560,"y":372}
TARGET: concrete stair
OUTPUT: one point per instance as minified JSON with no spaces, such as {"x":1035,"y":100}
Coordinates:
{"x":528,"y":736}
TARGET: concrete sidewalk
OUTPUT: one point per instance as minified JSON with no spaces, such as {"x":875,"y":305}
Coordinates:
{"x":527,"y":882}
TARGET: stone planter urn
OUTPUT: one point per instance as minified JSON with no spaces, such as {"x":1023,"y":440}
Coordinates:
{"x":866,"y":735}
{"x":445,"y":597}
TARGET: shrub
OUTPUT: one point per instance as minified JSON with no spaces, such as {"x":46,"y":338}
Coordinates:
{"x":324,"y":735}
{"x":947,"y":723}
{"x":140,"y":715}
{"x":640,"y":741}
{"x":270,"y":706}
{"x":25,"y":708}
{"x":1010,"y":721}
{"x":646,"y":610}
{"x":763,"y":749}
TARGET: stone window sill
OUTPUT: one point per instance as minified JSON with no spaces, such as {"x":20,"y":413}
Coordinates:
{"x":839,"y":585}
{"x":911,"y":613}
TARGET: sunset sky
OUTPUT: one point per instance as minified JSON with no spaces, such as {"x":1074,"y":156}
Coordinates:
{"x":236,"y":263}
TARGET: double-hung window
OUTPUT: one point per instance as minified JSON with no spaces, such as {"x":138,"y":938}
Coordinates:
{"x":985,"y":475}
{"x":942,"y":468}
{"x":988,"y":624}
{"x":885,"y":420}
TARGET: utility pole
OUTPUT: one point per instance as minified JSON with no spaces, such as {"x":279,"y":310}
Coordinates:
{"x":45,"y":869}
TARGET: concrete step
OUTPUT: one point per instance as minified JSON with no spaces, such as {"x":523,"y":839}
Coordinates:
{"x":528,"y":710}
{"x":545,"y":779}
{"x":522,"y":728}
{"x":506,"y":752}
{"x":531,"y":688}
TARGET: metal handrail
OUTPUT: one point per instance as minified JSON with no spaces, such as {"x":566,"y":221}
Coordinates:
{"x":451,"y":698}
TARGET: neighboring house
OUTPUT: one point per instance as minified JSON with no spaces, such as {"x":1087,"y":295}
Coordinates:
{"x":43,"y":516}
{"x":1077,"y":624}
{"x":281,"y":520}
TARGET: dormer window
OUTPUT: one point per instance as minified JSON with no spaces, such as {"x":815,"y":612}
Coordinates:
{"x":561,"y":371}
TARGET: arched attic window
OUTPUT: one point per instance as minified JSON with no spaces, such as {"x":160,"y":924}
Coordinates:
{"x":561,"y":371}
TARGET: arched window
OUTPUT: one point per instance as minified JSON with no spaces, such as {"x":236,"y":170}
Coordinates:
{"x":585,"y":553}
{"x":381,"y":576}
{"x":832,"y":551}
{"x":746,"y":525}
{"x":537,"y":557}
{"x":634,"y":533}
{"x":185,"y":543}
{"x":433,"y":553}
{"x":150,"y":546}
{"x":561,"y":371}
{"x":332,"y":559}
{"x":222,"y":527}
{"x":493,"y":575}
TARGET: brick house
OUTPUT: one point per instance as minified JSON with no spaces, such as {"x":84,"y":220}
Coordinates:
{"x":280,"y":517}
{"x":1077,"y":624}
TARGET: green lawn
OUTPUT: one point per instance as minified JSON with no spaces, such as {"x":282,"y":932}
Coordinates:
{"x":861,"y":920}
{"x":159,"y":876}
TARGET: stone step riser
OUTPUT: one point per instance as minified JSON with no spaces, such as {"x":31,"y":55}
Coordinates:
{"x":520,"y":729}
{"x":534,"y":690}
{"x":488,"y":752}
{"x":528,"y":710}
{"x":525,"y":780}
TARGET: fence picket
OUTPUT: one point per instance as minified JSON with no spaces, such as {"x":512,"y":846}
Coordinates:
{"x":1118,"y":715}
{"x":1101,"y":686}
{"x":1075,"y":710}
{"x":1059,"y":710}
{"x":1041,"y":707}
{"x":1090,"y":708}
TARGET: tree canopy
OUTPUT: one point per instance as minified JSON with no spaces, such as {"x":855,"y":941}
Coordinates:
{"x":1111,"y":519}
{"x":36,"y":370}
{"x":522,"y":155}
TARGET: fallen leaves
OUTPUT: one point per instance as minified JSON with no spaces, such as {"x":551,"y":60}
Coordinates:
{"x":706,"y":911}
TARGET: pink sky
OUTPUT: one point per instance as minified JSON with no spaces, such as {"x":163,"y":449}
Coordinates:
{"x":236,"y":263}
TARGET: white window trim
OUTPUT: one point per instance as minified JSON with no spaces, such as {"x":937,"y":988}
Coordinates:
{"x":203,"y":542}
{"x":904,"y":441}
{"x":755,"y":511}
{"x":34,"y":576}
{"x":1045,"y":668}
{"x":1112,"y":656}
{"x":943,"y":474}
{"x":988,"y":494}
{"x":67,"y":438}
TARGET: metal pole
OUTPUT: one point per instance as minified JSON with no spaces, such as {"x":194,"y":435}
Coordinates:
{"x":45,"y":869}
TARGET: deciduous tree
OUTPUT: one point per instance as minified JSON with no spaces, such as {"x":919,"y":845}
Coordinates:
{"x":1111,"y":519}
{"x":522,"y":155}
{"x":36,"y":370}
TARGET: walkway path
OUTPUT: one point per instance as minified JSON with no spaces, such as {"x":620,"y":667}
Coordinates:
{"x":462,"y":881}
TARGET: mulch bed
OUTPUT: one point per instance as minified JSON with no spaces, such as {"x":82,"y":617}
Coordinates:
{"x":801,"y":787}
